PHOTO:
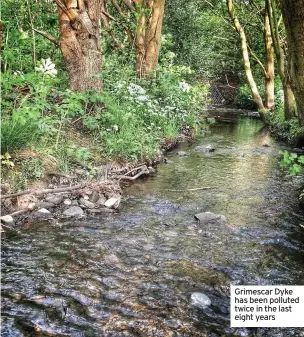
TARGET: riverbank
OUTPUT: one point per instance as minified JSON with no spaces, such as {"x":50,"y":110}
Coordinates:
{"x":77,"y":192}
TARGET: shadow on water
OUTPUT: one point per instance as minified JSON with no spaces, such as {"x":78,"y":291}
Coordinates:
{"x":132,"y":273}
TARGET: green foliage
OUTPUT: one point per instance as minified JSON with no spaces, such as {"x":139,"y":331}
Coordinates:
{"x":286,"y":130}
{"x":6,"y":160}
{"x":293,"y":161}
{"x":15,"y":135}
{"x":32,"y":168}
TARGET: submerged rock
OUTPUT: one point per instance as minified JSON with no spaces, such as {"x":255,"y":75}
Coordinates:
{"x":205,"y":148}
{"x":200,"y":300}
{"x":182,"y":153}
{"x":42,"y":213}
{"x":209,"y":217}
{"x":73,"y":211}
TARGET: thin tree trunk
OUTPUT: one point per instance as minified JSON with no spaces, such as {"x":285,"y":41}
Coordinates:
{"x":269,"y":78}
{"x":148,"y":37}
{"x":153,"y":37}
{"x":140,"y":37}
{"x":80,"y":42}
{"x":247,"y":66}
{"x":293,"y":16}
{"x":289,"y":100}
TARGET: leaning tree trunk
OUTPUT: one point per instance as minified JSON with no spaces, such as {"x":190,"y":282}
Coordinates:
{"x":148,"y":37}
{"x":247,"y":66}
{"x":80,"y":42}
{"x":293,"y":16}
{"x":269,"y":68}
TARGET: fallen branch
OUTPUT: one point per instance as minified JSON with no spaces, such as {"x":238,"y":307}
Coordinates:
{"x":49,"y":190}
{"x":14,"y":194}
{"x":195,"y":189}
{"x":59,"y":174}
{"x":143,"y":168}
{"x":134,"y":177}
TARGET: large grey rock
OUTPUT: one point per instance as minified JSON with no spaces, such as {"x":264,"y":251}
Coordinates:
{"x":209,"y":217}
{"x":8,"y":220}
{"x":55,"y":199}
{"x":113,"y":202}
{"x":86,"y":203}
{"x":205,"y":148}
{"x":42,"y":213}
{"x":200,"y":300}
{"x":73,"y":211}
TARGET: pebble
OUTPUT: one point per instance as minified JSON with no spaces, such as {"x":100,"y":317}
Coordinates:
{"x":200,"y":300}
{"x":7,"y":219}
{"x":68,"y":202}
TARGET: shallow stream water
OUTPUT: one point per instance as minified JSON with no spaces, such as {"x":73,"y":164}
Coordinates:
{"x":132,"y":273}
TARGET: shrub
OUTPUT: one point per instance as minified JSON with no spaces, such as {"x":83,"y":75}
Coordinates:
{"x":15,"y":135}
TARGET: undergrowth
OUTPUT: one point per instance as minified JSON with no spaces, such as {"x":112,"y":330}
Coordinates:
{"x":129,"y":120}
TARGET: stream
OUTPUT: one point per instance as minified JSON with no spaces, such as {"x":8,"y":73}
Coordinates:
{"x":132,"y":273}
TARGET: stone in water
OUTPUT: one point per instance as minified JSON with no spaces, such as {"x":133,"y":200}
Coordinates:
{"x":200,"y":300}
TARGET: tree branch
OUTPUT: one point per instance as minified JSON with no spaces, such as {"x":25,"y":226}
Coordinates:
{"x":129,"y":5}
{"x":65,"y":10}
{"x":118,"y":8}
{"x":47,"y":36}
{"x":126,"y":28}
{"x":258,"y":61}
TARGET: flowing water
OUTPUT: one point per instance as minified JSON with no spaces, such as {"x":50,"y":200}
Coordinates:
{"x":132,"y":273}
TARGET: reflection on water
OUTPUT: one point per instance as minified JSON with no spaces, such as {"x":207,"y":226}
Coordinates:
{"x":132,"y":273}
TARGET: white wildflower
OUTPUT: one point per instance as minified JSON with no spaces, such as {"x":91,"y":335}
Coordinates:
{"x":184,"y":86}
{"x":120,"y":84}
{"x":47,"y":67}
{"x":135,"y":89}
{"x":142,"y":98}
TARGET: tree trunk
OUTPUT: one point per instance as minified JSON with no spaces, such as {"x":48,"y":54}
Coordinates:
{"x":289,"y":100}
{"x":269,"y":78}
{"x":148,"y":37}
{"x":140,"y":37}
{"x":293,"y":16}
{"x":247,"y":66}
{"x":80,"y":42}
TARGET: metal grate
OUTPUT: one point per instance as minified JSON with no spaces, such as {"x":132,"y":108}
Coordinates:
{"x":215,"y":96}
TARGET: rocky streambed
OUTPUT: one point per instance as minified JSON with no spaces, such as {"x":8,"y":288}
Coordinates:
{"x":218,"y":211}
